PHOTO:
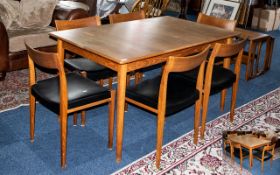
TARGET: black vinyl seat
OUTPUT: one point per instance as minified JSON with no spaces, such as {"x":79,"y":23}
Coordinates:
{"x":93,"y":70}
{"x":81,"y":91}
{"x":222,"y":78}
{"x":169,"y":93}
{"x":65,"y":94}
{"x":180,"y":93}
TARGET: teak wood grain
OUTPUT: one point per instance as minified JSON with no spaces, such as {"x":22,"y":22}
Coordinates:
{"x":132,"y":45}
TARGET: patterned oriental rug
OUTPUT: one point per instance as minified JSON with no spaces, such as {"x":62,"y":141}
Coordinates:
{"x":181,"y":156}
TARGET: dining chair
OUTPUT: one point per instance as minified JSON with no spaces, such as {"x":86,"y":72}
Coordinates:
{"x":266,"y":152}
{"x":151,"y":8}
{"x":236,"y":150}
{"x":86,"y":67}
{"x":217,"y":22}
{"x":218,"y":78}
{"x":117,"y":18}
{"x":168,"y":93}
{"x":64,"y":94}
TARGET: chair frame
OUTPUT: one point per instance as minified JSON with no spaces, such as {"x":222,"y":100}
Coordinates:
{"x":267,"y":148}
{"x":226,"y":51}
{"x":52,"y":61}
{"x":176,"y":64}
{"x":78,"y":23}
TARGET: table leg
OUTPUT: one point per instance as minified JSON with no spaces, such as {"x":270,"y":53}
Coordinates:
{"x":122,"y":71}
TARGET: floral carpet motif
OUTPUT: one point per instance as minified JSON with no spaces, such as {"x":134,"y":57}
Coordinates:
{"x":14,"y":89}
{"x":181,"y":156}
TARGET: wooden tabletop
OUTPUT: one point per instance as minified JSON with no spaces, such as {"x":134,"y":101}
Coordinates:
{"x":249,"y":141}
{"x":135,"y":40}
{"x":252,"y":35}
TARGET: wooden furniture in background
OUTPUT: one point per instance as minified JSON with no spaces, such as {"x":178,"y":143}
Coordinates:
{"x":253,"y":57}
{"x":153,"y":96}
{"x":65,"y":94}
{"x":152,"y":8}
{"x":250,"y":142}
{"x":117,"y":47}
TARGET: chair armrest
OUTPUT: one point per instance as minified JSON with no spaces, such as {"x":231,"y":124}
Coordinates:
{"x":68,"y":14}
{"x":4,"y":48}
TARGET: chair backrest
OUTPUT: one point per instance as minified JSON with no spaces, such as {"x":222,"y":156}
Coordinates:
{"x":218,"y":22}
{"x":182,"y":64}
{"x":77,"y":23}
{"x":116,"y":18}
{"x":151,"y":8}
{"x":49,"y":61}
{"x":232,"y":52}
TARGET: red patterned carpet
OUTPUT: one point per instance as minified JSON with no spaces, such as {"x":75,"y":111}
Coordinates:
{"x":14,"y":89}
{"x":181,"y":156}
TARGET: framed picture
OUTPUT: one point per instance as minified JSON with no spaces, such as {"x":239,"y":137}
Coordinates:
{"x":223,"y":9}
{"x":205,"y":6}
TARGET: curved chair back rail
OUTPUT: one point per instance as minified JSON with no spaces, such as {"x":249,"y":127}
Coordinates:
{"x":64,"y":94}
{"x":77,"y":23}
{"x":152,"y":94}
{"x":217,"y":22}
{"x":116,"y":18}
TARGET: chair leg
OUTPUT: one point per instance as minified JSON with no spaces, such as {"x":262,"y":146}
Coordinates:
{"x":160,"y":129}
{"x":63,"y":137}
{"x":110,"y":82}
{"x":196,"y":121}
{"x":83,"y":118}
{"x":75,"y":116}
{"x":204,"y":111}
{"x":32,"y":117}
{"x":233,"y":100}
{"x":223,"y":99}
{"x":111,"y":119}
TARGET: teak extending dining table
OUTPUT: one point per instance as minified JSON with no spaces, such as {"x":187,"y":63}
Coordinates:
{"x":129,"y":46}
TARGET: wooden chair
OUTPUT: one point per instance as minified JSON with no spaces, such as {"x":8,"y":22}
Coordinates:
{"x":152,"y":94}
{"x":266,"y":153}
{"x":217,"y":22}
{"x":65,"y":94}
{"x":151,"y":8}
{"x":117,"y":18}
{"x":85,"y":66}
{"x":236,"y":150}
{"x":218,"y":78}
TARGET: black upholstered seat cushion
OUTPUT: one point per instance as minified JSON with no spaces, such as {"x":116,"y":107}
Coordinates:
{"x":236,"y":152}
{"x":180,"y":93}
{"x":81,"y":91}
{"x":258,"y":153}
{"x":221,"y":78}
{"x":95,"y":71}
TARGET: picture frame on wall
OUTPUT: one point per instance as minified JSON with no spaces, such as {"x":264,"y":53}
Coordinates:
{"x":223,"y":9}
{"x":205,"y":6}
